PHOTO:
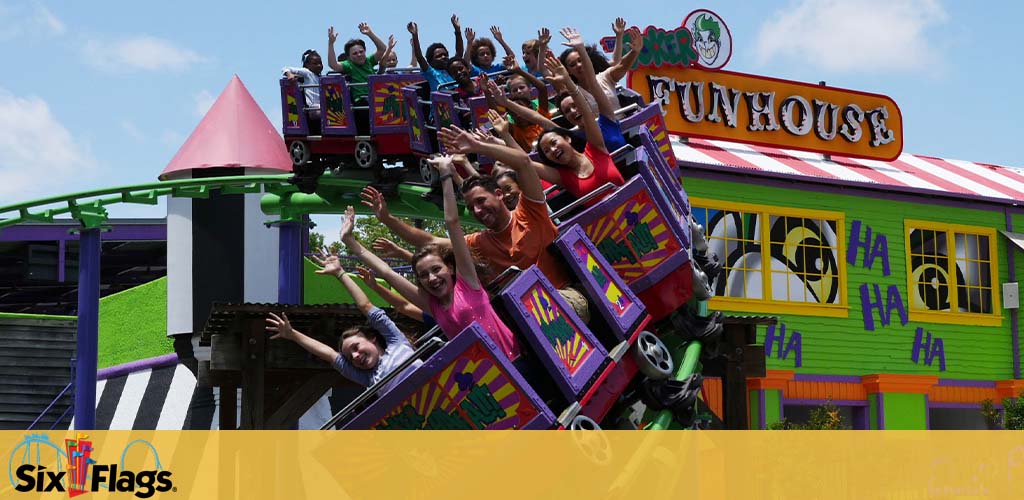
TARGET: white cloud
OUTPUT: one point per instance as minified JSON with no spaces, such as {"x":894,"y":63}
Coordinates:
{"x":143,"y":52}
{"x":131,"y":130}
{"x":44,"y":17}
{"x":38,"y":155}
{"x":848,"y":35}
{"x":28,"y":20}
{"x":203,"y":100}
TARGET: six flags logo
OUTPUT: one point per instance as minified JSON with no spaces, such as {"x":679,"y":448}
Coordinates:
{"x":83,"y":474}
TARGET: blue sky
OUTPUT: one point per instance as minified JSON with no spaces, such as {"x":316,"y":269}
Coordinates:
{"x":99,"y":94}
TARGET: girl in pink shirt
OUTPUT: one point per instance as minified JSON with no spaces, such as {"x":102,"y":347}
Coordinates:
{"x":448,"y":285}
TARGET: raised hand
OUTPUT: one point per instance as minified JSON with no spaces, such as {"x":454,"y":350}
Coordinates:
{"x":557,"y":74}
{"x":457,"y":140}
{"x":348,"y":223}
{"x":496,"y":32}
{"x":544,"y":36}
{"x":366,"y":275}
{"x":619,"y":26}
{"x":492,"y":90}
{"x":441,"y":163}
{"x":481,"y":135}
{"x":364,"y":28}
{"x":332,"y":36}
{"x":509,"y":62}
{"x":330,"y":265}
{"x":499,"y":122}
{"x":391,"y":42}
{"x":375,"y":201}
{"x":455,"y":22}
{"x":388,"y":248}
{"x":572,"y":38}
{"x":636,"y":39}
{"x":280,"y":326}
{"x":470,"y":36}
{"x":413,"y":29}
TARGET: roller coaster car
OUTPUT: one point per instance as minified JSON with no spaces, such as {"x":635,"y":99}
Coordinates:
{"x":427,"y":112}
{"x":578,"y":373}
{"x":347,"y":135}
{"x":637,"y":273}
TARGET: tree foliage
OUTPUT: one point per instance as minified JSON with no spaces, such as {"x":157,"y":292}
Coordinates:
{"x":823,"y":418}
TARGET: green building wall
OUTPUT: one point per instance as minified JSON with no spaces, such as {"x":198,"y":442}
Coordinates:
{"x":842,"y":345}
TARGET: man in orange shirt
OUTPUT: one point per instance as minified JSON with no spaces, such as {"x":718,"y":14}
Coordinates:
{"x":518,"y":237}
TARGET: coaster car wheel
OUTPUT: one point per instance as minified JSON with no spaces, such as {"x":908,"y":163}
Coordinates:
{"x":652,"y":357}
{"x":365,"y":154}
{"x":299,"y":152}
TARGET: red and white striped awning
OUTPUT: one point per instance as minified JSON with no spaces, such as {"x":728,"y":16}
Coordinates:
{"x":907,"y":173}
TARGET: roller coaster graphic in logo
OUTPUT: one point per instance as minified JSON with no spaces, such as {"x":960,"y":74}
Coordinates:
{"x":74,"y":470}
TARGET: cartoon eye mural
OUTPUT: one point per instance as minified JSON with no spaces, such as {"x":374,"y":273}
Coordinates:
{"x":802,"y":256}
{"x":735,"y":238}
{"x":804,"y":263}
{"x":929,"y":262}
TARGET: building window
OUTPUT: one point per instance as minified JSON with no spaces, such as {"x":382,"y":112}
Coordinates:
{"x":775,"y":259}
{"x":952,"y":272}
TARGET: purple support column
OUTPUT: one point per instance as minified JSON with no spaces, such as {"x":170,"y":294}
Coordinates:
{"x":88,"y":328}
{"x":289,"y":278}
{"x":61,"y":255}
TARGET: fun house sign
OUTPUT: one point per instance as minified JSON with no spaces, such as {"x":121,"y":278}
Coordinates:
{"x":681,"y":70}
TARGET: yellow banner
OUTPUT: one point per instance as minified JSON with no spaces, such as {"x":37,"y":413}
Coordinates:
{"x":575,"y":465}
{"x":773,"y":112}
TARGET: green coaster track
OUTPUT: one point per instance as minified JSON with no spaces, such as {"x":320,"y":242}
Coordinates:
{"x":281,"y":199}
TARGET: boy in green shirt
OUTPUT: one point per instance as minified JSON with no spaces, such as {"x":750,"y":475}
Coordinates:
{"x":354,"y":62}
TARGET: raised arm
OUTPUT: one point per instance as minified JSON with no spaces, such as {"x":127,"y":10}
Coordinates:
{"x":332,"y":57}
{"x":537,"y":83}
{"x":467,"y":57}
{"x":404,"y":307}
{"x":619,"y":28}
{"x":589,"y":80}
{"x":520,"y":111}
{"x":400,"y":284}
{"x":459,"y":47}
{"x":465,"y":267}
{"x":282,"y":329}
{"x":331,"y":266}
{"x":416,"y":51}
{"x":390,"y":249}
{"x":387,"y":52}
{"x":501,"y":127}
{"x":409,"y":234}
{"x":543,"y":39}
{"x":636,"y":44}
{"x":365,"y":29}
{"x":559,"y":75}
{"x":516,"y":159}
{"x":496,"y":32}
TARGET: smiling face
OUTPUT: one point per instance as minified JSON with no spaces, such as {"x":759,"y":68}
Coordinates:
{"x":439,"y":58}
{"x":488,"y":207}
{"x":529,"y":54}
{"x":569,"y":111}
{"x":510,"y":188}
{"x":556,"y":148}
{"x":435,"y":276}
{"x":314,"y":64}
{"x":362,"y":352}
{"x":574,"y":65}
{"x":459,"y":72}
{"x":519,"y":89}
{"x":484,"y":56}
{"x":390,"y":61}
{"x":357,"y":54}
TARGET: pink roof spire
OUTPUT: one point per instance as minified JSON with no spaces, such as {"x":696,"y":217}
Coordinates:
{"x":234,"y":133}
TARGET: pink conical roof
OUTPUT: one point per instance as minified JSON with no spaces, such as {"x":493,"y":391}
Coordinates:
{"x":234,"y":133}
